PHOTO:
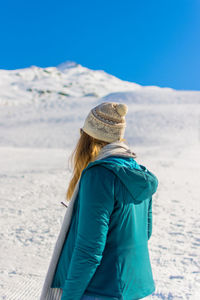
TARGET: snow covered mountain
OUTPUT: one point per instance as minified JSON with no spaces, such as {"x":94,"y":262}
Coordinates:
{"x":69,"y":79}
{"x":40,"y":106}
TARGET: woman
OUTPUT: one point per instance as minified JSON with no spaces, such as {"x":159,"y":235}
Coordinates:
{"x":104,"y":253}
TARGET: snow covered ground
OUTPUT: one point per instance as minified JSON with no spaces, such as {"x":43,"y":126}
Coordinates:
{"x":38,"y":131}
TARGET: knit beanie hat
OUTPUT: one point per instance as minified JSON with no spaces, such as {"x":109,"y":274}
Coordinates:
{"x":106,"y":121}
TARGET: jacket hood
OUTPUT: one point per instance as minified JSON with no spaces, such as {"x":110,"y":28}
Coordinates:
{"x":139,"y":181}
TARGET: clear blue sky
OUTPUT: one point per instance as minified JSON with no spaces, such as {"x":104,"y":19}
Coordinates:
{"x":150,"y":42}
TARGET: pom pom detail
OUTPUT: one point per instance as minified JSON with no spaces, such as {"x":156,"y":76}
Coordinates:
{"x":122,"y":109}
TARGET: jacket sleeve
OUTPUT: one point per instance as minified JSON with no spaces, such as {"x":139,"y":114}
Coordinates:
{"x":96,"y":205}
{"x":154,"y":184}
{"x":150,"y":220}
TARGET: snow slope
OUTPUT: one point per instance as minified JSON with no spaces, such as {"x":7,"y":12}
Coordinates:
{"x":41,"y":111}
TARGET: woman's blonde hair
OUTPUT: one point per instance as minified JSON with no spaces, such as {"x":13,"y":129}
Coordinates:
{"x":87,"y":148}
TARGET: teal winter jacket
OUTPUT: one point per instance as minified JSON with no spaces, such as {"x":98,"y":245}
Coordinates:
{"x":106,"y":251}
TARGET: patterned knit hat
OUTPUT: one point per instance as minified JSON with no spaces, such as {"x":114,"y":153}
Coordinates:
{"x":106,"y":121}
